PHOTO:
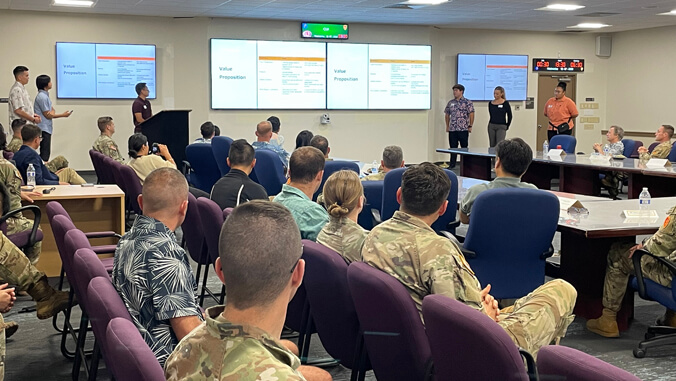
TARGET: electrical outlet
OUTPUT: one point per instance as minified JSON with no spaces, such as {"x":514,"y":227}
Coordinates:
{"x":517,"y":107}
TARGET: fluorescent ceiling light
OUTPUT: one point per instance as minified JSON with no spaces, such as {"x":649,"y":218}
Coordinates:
{"x":427,"y":2}
{"x":561,"y":7}
{"x":73,"y":3}
{"x":670,"y":13}
{"x":588,"y":26}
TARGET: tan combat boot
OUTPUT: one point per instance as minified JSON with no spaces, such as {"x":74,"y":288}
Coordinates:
{"x":49,"y":301}
{"x":606,"y":325}
{"x":668,"y":320}
{"x":10,"y":328}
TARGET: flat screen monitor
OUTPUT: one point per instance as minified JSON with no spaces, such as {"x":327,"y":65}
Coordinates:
{"x":103,"y":71}
{"x":324,"y":31}
{"x":481,"y":73}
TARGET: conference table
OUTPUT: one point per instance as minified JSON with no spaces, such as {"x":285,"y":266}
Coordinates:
{"x":94,"y":208}
{"x":577,"y":174}
{"x":586,"y":239}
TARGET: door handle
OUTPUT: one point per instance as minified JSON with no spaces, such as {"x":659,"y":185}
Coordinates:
{"x":539,"y":126}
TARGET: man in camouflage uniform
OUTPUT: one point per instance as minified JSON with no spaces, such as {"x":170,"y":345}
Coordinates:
{"x":393,"y":158}
{"x":240,"y":341}
{"x":105,"y":143}
{"x":620,"y":268}
{"x":15,"y":144}
{"x":11,"y":178}
{"x":662,"y":150}
{"x":408,"y":249}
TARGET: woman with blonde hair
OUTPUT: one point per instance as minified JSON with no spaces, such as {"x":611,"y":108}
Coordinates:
{"x":500,"y":117}
{"x":344,"y":199}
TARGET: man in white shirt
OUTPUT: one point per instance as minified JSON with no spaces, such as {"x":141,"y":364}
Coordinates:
{"x":20,"y":104}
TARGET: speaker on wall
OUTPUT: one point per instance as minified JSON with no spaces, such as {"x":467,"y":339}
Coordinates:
{"x":604,"y":46}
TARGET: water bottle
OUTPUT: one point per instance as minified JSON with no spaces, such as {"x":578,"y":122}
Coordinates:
{"x":545,"y":148}
{"x":374,"y":166}
{"x":606,"y":150}
{"x":30,"y":174}
{"x":644,"y":201}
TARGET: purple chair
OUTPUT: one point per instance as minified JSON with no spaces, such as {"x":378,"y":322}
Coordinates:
{"x":461,"y":338}
{"x":193,"y":233}
{"x":127,"y":355}
{"x":105,"y":305}
{"x":8,"y":155}
{"x":212,"y":222}
{"x":634,"y":152}
{"x":652,"y":146}
{"x":333,"y":312}
{"x":393,"y":332}
{"x":132,"y":186}
{"x":226,"y":213}
{"x":556,"y":362}
{"x":27,"y":238}
{"x":96,"y":163}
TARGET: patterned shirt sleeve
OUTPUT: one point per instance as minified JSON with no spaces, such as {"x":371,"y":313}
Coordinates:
{"x":16,"y":99}
{"x":171,"y":283}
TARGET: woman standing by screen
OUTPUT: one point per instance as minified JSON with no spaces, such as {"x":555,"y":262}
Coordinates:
{"x":501,"y":117}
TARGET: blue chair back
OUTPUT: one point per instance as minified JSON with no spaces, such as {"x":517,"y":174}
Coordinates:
{"x":509,"y":230}
{"x":205,"y":170}
{"x":332,"y":166}
{"x":629,"y":145}
{"x":634,"y":153}
{"x":390,"y":205}
{"x":672,"y":154}
{"x":269,"y":171}
{"x":221,"y":147}
{"x":373,"y":193}
{"x":567,"y":143}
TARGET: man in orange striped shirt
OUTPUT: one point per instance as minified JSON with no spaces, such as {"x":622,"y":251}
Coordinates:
{"x":560,"y":109}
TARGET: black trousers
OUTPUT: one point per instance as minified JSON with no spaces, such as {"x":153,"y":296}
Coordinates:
{"x":46,"y":146}
{"x":455,"y":137}
{"x":552,"y":133}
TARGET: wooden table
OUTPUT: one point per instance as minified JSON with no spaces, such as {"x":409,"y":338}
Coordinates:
{"x":576,"y":173}
{"x":97,"y":208}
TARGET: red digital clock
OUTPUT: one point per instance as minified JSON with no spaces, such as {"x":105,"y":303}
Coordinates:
{"x":558,"y":64}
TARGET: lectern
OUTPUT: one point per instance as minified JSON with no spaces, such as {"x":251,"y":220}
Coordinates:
{"x":169,"y":127}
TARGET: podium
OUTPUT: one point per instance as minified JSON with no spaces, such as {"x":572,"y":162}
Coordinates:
{"x":169,"y":127}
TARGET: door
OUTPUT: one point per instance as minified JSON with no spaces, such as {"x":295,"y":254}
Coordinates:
{"x":546,"y":85}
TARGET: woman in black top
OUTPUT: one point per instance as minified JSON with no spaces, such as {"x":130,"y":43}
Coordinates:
{"x":501,"y":117}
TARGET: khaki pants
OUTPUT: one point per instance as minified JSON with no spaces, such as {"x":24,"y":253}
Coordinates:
{"x":68,"y":175}
{"x":57,"y":163}
{"x":540,"y":317}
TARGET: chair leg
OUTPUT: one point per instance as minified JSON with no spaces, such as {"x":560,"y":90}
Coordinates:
{"x":653,"y":342}
{"x":204,"y":285}
{"x":67,"y":328}
{"x":359,"y":361}
{"x":94,"y":363}
{"x":222,"y":298}
{"x":55,"y":322}
{"x":80,"y":356}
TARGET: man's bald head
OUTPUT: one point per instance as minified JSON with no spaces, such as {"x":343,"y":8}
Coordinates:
{"x":263,"y":128}
{"x":164,"y":191}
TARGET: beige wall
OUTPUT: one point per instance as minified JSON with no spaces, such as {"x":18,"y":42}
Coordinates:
{"x":183,"y":80}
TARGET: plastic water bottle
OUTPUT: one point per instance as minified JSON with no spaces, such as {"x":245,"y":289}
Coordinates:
{"x":374,"y":166}
{"x":644,"y":201}
{"x":30,"y":174}
{"x":606,"y":150}
{"x":545,"y":148}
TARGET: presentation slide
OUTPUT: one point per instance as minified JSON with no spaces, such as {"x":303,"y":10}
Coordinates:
{"x":481,"y":73}
{"x":400,"y":76}
{"x":109,"y":71}
{"x":291,"y":75}
{"x":248,"y":74}
{"x":347,"y":76}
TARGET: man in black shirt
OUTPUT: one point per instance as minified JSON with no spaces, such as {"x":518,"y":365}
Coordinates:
{"x":236,"y":187}
{"x":140,"y":109}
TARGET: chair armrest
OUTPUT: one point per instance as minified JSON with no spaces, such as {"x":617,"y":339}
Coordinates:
{"x":375,"y":213}
{"x":467,"y":253}
{"x":531,"y":368}
{"x":453,"y":224}
{"x":186,"y":167}
{"x":547,"y":253}
{"x":638,"y":272}
{"x":104,"y":234}
{"x":36,"y":220}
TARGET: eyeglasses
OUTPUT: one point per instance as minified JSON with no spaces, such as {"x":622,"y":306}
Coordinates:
{"x":298,"y":260}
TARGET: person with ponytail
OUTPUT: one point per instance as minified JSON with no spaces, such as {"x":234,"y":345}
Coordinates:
{"x":501,"y":117}
{"x":142,"y":162}
{"x":344,"y":199}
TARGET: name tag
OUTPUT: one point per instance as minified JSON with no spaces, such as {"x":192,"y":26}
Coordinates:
{"x":145,"y":107}
{"x":499,"y":106}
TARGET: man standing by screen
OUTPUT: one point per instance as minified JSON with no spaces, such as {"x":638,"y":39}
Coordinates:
{"x":20,"y":105}
{"x":141,"y":110}
{"x":459,"y":120}
{"x":43,"y":107}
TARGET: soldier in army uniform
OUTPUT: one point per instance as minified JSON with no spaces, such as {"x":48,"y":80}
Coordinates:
{"x":393,"y":158}
{"x":407,"y":248}
{"x":662,"y":150}
{"x":344,"y":197}
{"x":620,"y":267}
{"x":240,"y":341}
{"x":105,"y":143}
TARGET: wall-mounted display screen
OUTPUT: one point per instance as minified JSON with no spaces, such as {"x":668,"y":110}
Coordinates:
{"x":319,"y":30}
{"x":481,"y":73}
{"x":108,"y":71}
{"x":311,"y":75}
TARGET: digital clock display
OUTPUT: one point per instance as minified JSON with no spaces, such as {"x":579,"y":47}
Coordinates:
{"x":558,"y":64}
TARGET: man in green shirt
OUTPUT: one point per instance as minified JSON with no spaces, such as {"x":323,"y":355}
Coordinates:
{"x":393,"y":158}
{"x":306,"y":168}
{"x":513,"y":156}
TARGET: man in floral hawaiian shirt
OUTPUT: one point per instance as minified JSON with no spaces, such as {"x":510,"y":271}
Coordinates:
{"x":459,"y":120}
